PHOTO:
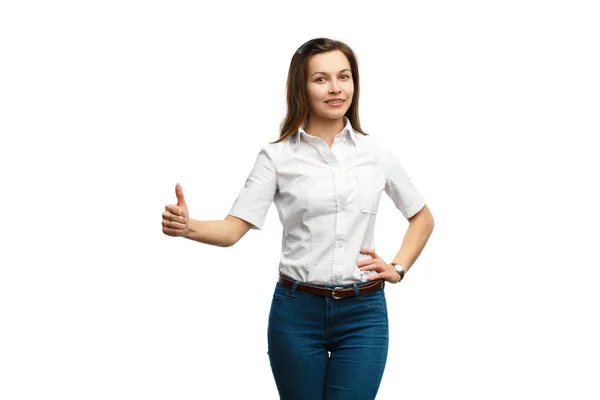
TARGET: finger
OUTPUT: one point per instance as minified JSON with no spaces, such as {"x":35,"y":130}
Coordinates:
{"x":179,"y":194}
{"x":175,"y":225}
{"x":375,"y":276}
{"x":177,"y":221}
{"x":172,"y":232}
{"x":167,"y":216}
{"x":371,"y":252}
{"x":369,"y":267}
{"x":174,"y":209}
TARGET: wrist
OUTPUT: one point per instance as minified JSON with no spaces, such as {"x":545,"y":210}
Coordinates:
{"x":399,"y":269}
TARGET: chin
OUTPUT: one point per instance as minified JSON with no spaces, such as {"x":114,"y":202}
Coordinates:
{"x":335,"y":114}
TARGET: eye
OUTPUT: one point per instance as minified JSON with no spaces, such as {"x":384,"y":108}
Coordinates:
{"x":347,"y":76}
{"x":319,"y":78}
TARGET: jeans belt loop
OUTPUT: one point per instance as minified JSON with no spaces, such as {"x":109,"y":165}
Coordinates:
{"x":293,"y":294}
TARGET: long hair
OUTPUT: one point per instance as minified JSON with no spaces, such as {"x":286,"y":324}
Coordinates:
{"x":297,"y":85}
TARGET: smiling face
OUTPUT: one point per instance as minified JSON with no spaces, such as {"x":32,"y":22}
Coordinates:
{"x":329,"y":78}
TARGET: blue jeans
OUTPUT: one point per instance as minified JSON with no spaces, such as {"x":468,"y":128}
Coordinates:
{"x":303,"y":328}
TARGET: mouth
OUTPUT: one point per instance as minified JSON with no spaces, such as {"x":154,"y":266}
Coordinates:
{"x":335,"y":102}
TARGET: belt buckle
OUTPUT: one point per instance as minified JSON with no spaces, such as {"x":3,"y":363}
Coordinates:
{"x":333,"y":293}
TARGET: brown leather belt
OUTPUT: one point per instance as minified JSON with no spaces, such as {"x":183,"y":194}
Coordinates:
{"x":335,"y":292}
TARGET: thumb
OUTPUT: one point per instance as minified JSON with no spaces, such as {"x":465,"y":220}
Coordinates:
{"x":179,"y":194}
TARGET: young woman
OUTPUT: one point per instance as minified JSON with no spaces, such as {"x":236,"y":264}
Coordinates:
{"x":328,"y":323}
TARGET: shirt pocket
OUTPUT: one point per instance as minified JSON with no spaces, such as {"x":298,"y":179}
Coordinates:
{"x":370,"y":186}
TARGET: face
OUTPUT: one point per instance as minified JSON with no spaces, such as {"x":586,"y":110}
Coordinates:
{"x":329,"y":77}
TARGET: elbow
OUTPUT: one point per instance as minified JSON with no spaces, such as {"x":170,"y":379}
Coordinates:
{"x":430,"y":221}
{"x":236,"y":228}
{"x":427,"y":224}
{"x":234,"y":237}
{"x":230,"y":242}
{"x":423,"y":217}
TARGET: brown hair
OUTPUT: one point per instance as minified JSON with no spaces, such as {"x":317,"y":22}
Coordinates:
{"x":296,"y":87}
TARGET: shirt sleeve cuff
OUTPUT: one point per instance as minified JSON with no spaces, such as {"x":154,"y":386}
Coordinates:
{"x":415,"y":208}
{"x":256,"y":222}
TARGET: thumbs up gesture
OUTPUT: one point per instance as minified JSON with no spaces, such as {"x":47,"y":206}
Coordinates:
{"x":176,"y":216}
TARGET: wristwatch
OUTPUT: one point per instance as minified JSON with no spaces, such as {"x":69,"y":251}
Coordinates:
{"x":400,"y":269}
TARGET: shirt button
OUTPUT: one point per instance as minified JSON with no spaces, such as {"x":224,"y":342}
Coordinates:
{"x":339,"y":244}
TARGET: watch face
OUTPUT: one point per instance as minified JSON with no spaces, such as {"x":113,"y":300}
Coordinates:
{"x":400,"y":270}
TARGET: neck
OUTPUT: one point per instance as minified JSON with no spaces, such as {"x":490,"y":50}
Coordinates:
{"x":324,"y":128}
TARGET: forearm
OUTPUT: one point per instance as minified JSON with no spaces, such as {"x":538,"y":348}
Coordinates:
{"x":414,"y":241}
{"x":216,"y":233}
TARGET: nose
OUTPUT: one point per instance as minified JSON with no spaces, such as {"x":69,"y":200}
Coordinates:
{"x":334,"y":87}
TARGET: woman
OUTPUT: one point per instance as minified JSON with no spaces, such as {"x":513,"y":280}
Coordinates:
{"x":328,"y":323}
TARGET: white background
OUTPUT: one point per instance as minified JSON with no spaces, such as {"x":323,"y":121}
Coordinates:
{"x":493,"y":108}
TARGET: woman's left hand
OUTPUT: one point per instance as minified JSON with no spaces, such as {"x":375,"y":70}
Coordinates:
{"x":384,"y":270}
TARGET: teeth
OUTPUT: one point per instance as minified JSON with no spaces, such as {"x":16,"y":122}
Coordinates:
{"x":335,"y":101}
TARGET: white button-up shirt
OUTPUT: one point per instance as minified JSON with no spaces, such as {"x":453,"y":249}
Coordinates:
{"x":327,"y":200}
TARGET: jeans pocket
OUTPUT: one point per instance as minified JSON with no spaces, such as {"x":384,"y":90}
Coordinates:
{"x":281,"y":293}
{"x":373,"y":300}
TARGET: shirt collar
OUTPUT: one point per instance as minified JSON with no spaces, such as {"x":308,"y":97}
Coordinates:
{"x":348,"y":131}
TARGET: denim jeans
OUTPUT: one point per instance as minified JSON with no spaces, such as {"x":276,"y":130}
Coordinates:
{"x":303,"y":328}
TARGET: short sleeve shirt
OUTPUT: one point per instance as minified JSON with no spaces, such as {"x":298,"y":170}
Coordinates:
{"x":327,"y":200}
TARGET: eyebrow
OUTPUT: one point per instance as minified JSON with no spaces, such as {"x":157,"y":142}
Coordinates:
{"x":325,"y":73}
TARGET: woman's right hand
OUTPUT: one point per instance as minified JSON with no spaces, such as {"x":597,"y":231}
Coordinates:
{"x":176,"y":216}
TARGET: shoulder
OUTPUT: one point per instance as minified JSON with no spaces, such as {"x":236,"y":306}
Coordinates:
{"x":273,"y":153}
{"x":276,"y":147}
{"x":276,"y":150}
